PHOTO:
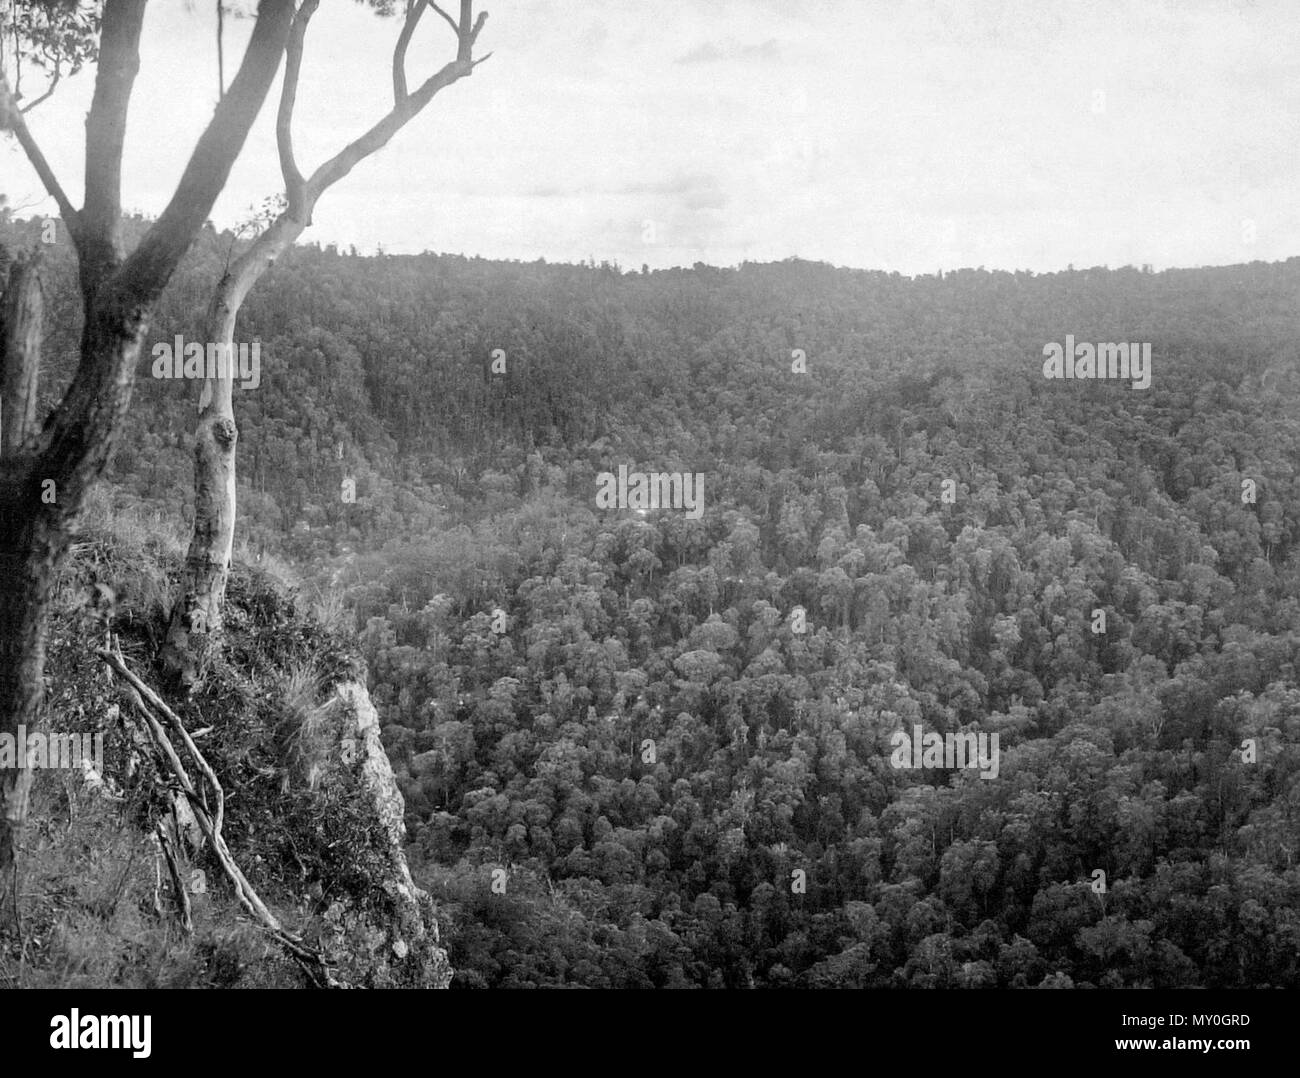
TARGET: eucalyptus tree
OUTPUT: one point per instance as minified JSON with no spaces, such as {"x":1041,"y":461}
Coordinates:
{"x":197,"y":613}
{"x":48,"y":465}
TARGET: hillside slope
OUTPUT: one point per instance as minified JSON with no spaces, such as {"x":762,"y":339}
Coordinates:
{"x":312,"y":815}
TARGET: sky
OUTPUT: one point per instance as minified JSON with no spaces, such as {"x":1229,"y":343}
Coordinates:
{"x":903,"y":135}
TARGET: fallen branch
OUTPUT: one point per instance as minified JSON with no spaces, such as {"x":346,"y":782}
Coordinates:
{"x":178,"y":882}
{"x":312,"y":962}
{"x":157,"y":703}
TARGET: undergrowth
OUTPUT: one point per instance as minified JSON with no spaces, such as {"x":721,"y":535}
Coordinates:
{"x":94,"y":904}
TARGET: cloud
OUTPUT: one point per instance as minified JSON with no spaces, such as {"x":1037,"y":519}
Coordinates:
{"x":691,"y":190}
{"x":710,"y":52}
{"x":701,"y":54}
{"x":596,"y":34}
{"x":768,"y":50}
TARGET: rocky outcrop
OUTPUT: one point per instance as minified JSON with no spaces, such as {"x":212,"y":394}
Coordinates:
{"x":392,"y":938}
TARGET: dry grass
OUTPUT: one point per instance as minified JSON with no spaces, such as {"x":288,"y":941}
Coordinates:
{"x":331,"y":611}
{"x":134,"y":527}
{"x":305,"y":722}
{"x":87,"y":885}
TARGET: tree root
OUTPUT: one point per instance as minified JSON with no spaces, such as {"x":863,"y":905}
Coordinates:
{"x":210,"y":822}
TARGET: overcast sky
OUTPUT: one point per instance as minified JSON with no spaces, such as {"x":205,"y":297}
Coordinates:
{"x":906,"y":135}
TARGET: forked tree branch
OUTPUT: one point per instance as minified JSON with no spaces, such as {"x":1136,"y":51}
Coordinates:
{"x":379,"y":135}
{"x":293,"y":182}
{"x":78,"y":435}
{"x":243,"y":273}
{"x":469,"y":34}
{"x":403,"y":110}
{"x":450,"y":21}
{"x":466,"y":31}
{"x":148,"y":268}
{"x":413,"y":17}
{"x":119,"y":61}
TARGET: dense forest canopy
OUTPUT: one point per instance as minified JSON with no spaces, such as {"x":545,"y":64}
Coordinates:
{"x":685,"y":781}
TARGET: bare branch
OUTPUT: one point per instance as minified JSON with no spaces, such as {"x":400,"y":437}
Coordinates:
{"x":293,"y":183}
{"x":312,"y":960}
{"x":162,"y":248}
{"x":221,"y":49}
{"x":178,"y":885}
{"x":156,"y":702}
{"x":413,"y":16}
{"x":403,"y":110}
{"x":55,"y":78}
{"x":450,"y":21}
{"x":379,"y":135}
{"x":11,"y":117}
{"x":467,"y":35}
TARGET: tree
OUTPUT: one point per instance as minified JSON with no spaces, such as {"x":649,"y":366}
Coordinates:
{"x":47,"y":469}
{"x":53,"y":37}
{"x":198,"y":607}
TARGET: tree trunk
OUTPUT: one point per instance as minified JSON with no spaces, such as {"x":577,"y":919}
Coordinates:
{"x":27,"y":557}
{"x":46,"y":473}
{"x":21,"y":320}
{"x":197,"y":610}
{"x":41,"y":492}
{"x":197,"y":613}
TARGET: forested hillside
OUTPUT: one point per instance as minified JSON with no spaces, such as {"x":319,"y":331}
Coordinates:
{"x":620,"y":709}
